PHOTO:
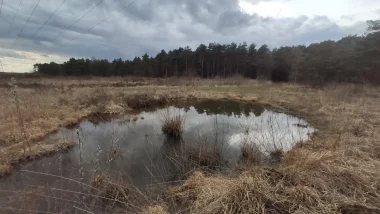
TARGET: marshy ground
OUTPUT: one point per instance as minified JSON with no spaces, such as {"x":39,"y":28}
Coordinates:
{"x":336,"y":171}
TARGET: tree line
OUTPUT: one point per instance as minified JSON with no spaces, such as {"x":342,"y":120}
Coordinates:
{"x":351,"y":59}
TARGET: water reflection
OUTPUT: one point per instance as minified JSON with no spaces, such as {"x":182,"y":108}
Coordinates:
{"x":149,"y":157}
{"x":229,"y":108}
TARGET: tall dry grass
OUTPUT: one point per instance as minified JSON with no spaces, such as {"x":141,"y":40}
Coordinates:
{"x":20,"y":118}
{"x":250,"y":153}
{"x":172,"y":123}
{"x":335,"y":172}
{"x":46,"y":108}
{"x":206,"y":155}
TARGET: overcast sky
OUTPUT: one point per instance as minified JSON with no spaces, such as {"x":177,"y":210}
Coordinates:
{"x":147,"y":26}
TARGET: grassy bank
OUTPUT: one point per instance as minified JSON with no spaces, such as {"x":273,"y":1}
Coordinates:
{"x":335,"y":172}
{"x":29,"y":114}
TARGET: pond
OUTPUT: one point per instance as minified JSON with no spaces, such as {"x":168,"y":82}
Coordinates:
{"x":134,"y":149}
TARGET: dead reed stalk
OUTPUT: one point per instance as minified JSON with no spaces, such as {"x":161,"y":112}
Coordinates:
{"x":15,"y":99}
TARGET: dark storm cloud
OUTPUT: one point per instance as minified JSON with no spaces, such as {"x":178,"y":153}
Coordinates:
{"x":151,"y":25}
{"x":234,"y":19}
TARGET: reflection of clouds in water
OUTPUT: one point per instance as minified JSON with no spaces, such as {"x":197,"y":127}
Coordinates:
{"x":268,"y":130}
{"x":146,"y":151}
{"x":272,"y":130}
{"x":193,"y":120}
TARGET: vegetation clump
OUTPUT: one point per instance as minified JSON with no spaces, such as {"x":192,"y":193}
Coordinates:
{"x":144,"y":100}
{"x":5,"y":169}
{"x":173,"y":124}
{"x":206,"y":154}
{"x":250,"y":153}
{"x":276,"y":155}
{"x":112,"y":191}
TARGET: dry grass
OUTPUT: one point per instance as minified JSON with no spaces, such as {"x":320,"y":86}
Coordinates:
{"x":205,"y":155}
{"x":250,"y":153}
{"x":54,"y":104}
{"x":5,"y":169}
{"x":154,"y":210}
{"x":276,"y":155}
{"x":143,"y":100}
{"x":260,"y":191}
{"x":112,"y":191}
{"x":335,"y":172}
{"x":15,"y":153}
{"x":172,"y":123}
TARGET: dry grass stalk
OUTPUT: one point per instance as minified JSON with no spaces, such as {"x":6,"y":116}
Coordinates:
{"x":80,"y":155}
{"x":115,"y":149}
{"x":97,"y":160}
{"x":13,"y":85}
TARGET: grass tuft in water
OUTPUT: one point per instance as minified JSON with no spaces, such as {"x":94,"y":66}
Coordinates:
{"x":206,"y":155}
{"x":250,"y":153}
{"x":173,"y":124}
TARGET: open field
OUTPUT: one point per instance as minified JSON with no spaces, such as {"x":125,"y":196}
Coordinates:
{"x":337,"y":171}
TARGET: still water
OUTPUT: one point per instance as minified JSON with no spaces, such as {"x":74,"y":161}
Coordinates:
{"x":139,"y":153}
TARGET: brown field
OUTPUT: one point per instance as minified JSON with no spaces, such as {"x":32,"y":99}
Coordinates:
{"x":337,"y":171}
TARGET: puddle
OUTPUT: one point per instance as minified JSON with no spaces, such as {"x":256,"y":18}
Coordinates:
{"x":144,"y":156}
